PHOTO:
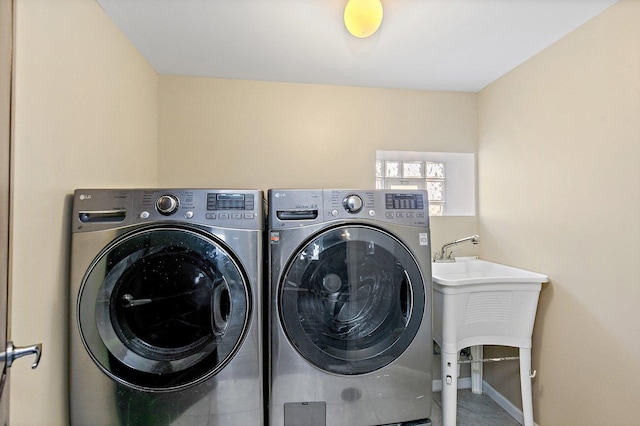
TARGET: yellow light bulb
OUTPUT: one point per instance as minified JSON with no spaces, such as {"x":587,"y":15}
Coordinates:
{"x":363,"y":17}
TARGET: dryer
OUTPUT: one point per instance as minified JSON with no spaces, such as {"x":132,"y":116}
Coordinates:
{"x":350,"y":307}
{"x":165,"y":307}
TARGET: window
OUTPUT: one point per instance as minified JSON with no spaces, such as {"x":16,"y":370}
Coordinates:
{"x":412,"y":174}
{"x":449,"y":178}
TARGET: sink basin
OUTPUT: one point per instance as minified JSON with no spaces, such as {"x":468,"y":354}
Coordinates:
{"x":467,"y":271}
{"x":476,"y":302}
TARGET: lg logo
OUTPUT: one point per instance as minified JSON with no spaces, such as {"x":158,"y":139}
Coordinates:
{"x":84,"y":197}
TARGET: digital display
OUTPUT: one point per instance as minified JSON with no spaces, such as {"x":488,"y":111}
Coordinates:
{"x":404,"y":201}
{"x":230,"y":202}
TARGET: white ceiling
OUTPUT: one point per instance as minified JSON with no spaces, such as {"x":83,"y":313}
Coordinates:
{"x":457,"y":45}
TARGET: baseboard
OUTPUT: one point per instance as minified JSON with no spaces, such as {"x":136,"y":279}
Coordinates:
{"x":504,"y":403}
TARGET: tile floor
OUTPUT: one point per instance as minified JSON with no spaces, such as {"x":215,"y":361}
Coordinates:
{"x":473,"y":410}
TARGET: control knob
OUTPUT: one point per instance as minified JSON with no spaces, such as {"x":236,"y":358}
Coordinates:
{"x":167,"y":204}
{"x":352,"y":203}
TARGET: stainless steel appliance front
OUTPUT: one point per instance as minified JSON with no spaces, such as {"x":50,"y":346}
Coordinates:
{"x":350,"y":307}
{"x":165,"y":307}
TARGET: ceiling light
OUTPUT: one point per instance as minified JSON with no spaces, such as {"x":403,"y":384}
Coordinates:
{"x":362,"y":17}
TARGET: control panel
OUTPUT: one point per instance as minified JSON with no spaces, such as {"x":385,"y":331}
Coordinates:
{"x":97,"y":209}
{"x":299,"y":207}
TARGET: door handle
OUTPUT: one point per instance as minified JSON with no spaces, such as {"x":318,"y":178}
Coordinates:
{"x":12,"y":353}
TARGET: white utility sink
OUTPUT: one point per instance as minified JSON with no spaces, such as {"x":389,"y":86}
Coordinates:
{"x":475,"y":303}
{"x":465,"y":271}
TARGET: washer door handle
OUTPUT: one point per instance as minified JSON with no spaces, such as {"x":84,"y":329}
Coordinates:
{"x":12,"y":353}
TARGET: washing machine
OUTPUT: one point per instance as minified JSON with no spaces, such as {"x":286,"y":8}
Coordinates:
{"x":166,"y":322}
{"x":350,"y":307}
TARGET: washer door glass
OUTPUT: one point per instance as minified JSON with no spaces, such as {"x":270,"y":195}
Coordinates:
{"x":163,"y":308}
{"x":351,"y":300}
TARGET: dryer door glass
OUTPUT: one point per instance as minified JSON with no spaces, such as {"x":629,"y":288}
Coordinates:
{"x":352,"y":299}
{"x":163,"y":308}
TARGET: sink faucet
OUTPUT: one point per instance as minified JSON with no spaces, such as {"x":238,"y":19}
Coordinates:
{"x":442,"y":255}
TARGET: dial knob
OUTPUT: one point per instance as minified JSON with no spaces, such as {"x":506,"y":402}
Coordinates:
{"x":352,"y":203}
{"x":167,"y":204}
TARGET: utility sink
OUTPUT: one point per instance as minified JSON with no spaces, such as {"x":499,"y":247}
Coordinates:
{"x":470,"y":270}
{"x":476,"y":303}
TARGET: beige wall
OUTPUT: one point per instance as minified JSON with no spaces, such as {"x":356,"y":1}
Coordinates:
{"x":559,"y":178}
{"x":85,"y":116}
{"x":232,"y":133}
